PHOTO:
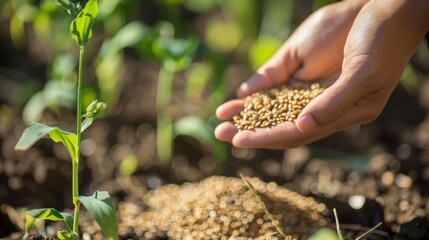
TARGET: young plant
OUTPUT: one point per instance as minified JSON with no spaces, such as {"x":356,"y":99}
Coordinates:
{"x":99,"y":205}
{"x":175,"y":55}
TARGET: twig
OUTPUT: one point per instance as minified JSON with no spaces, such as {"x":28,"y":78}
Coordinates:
{"x":259,"y":199}
{"x":340,"y":236}
{"x":369,"y":231}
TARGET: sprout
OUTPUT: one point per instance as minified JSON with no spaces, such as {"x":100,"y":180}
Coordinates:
{"x":94,"y":109}
{"x":73,"y":7}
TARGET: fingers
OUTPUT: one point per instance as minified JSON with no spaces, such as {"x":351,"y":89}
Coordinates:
{"x":229,"y":109}
{"x":328,"y":106}
{"x":272,"y":137}
{"x":225,"y":131}
{"x":255,"y":83}
{"x":275,"y":71}
{"x":287,"y":135}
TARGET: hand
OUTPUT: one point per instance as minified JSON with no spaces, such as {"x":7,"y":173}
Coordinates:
{"x":379,"y":45}
{"x":313,"y":52}
{"x":383,"y":37}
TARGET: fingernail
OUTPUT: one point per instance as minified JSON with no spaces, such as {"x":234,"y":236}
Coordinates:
{"x":306,"y":123}
{"x":243,"y":87}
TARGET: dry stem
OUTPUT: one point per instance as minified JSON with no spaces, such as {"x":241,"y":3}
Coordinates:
{"x":259,"y":199}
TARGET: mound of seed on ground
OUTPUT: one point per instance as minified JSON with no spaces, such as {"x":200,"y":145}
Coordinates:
{"x":273,"y":106}
{"x":222,"y":208}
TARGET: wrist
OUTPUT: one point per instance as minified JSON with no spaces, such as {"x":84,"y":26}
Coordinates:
{"x":412,"y":13}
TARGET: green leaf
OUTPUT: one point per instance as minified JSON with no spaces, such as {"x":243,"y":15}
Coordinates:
{"x":34,"y":108}
{"x":100,"y":206}
{"x":129,"y":35}
{"x":81,"y":26}
{"x":194,"y":126}
{"x":86,"y":123}
{"x":47,"y":214}
{"x":176,"y":54}
{"x":66,"y":235}
{"x":92,"y":112}
{"x":35,"y":131}
{"x":324,"y":234}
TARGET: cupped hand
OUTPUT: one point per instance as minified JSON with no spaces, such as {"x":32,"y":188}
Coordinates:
{"x":382,"y":40}
{"x":380,"y":43}
{"x":313,"y":52}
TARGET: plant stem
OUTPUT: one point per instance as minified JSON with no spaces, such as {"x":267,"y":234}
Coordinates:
{"x":369,"y":231}
{"x":164,"y":133}
{"x":337,"y":222}
{"x":274,"y":221}
{"x":75,"y":176}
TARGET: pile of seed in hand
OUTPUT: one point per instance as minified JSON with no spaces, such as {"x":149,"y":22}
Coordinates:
{"x":273,"y":106}
{"x":221,"y":208}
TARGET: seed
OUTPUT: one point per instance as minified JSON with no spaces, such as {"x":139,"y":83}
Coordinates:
{"x":295,"y":112}
{"x":244,"y":123}
{"x":274,"y":106}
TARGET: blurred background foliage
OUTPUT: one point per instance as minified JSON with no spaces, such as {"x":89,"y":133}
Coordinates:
{"x":201,"y":50}
{"x":202,"y":40}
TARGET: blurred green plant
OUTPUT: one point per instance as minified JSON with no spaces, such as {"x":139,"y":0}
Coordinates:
{"x":409,"y":80}
{"x":110,"y":60}
{"x":72,"y":7}
{"x":44,"y":19}
{"x":175,"y":55}
{"x":324,"y":234}
{"x":99,"y":205}
{"x":57,"y":92}
{"x":227,"y":31}
{"x":275,"y":27}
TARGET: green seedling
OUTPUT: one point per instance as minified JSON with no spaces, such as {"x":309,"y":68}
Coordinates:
{"x":99,"y":205}
{"x":110,"y":60}
{"x":175,"y":55}
{"x":337,"y":224}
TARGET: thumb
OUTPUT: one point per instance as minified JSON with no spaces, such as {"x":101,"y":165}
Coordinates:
{"x":327,"y":107}
{"x":276,"y":70}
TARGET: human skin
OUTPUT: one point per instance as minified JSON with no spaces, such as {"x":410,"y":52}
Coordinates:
{"x":358,"y":49}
